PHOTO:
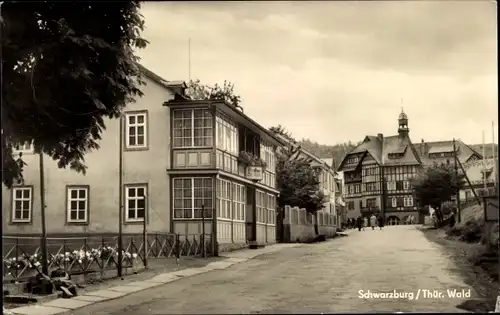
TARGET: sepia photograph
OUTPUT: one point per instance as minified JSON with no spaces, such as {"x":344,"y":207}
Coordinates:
{"x":249,"y":157}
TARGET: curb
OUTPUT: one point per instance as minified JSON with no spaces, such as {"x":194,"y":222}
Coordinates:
{"x":62,"y":306}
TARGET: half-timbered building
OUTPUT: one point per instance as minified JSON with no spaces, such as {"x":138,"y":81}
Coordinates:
{"x":378,"y":172}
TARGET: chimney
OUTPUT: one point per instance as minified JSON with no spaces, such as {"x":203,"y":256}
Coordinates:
{"x":422,"y":148}
{"x":380,"y":137}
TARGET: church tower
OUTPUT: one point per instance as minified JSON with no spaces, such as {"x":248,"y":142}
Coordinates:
{"x":403,"y":129}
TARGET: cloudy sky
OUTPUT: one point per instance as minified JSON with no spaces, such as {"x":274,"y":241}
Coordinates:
{"x":336,"y":71}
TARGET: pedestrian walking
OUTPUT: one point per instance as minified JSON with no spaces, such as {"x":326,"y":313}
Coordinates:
{"x":359,"y":223}
{"x":380,"y":222}
{"x":373,"y":221}
{"x":365,"y":222}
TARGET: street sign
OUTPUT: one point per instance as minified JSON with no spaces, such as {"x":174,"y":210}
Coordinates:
{"x":491,"y":208}
{"x":255,"y":173}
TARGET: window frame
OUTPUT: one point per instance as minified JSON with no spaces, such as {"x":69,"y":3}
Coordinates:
{"x":86,"y":212}
{"x":136,"y":125}
{"x":271,"y":209}
{"x":192,"y":127}
{"x":224,"y":197}
{"x":193,"y":208}
{"x":236,"y":189}
{"x":13,"y":201}
{"x":394,"y":202}
{"x":406,"y":185}
{"x":126,"y":206}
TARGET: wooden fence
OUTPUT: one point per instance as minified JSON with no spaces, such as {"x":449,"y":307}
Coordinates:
{"x":81,"y":255}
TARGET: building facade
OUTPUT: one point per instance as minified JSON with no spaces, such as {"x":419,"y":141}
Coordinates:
{"x":180,"y":156}
{"x":328,"y":183}
{"x":479,"y":172}
{"x":378,"y":172}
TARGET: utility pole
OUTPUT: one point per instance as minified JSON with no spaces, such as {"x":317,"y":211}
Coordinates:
{"x":145,"y":233}
{"x":120,"y":201}
{"x":455,"y":158}
{"x":43,"y":245}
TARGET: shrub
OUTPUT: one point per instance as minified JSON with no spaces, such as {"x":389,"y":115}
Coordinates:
{"x":472,"y":231}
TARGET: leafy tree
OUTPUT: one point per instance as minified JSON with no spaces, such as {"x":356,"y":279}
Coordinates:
{"x":198,"y":91}
{"x":66,"y":66}
{"x":298,"y":180}
{"x":436,"y":185}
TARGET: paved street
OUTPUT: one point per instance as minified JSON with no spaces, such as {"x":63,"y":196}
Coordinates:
{"x":323,"y":277}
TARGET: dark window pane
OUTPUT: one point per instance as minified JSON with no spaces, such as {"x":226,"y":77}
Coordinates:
{"x":177,"y":183}
{"x":26,"y":205}
{"x":186,"y":133}
{"x":131,"y":131}
{"x":207,"y":192}
{"x":140,"y":140}
{"x":81,"y":215}
{"x":131,"y":214}
{"x":74,"y":193}
{"x":178,"y":142}
{"x":131,"y":119}
{"x":186,"y":142}
{"x":140,"y":119}
{"x":140,"y":192}
{"x":177,"y":114}
{"x":198,"y":192}
{"x":178,"y":203}
{"x":188,"y":204}
{"x":82,"y":193}
{"x":131,"y":140}
{"x":140,"y":130}
{"x":197,"y":213}
{"x":198,"y":113}
{"x":188,"y":193}
{"x":177,"y":193}
{"x":141,"y":204}
{"x":73,"y":215}
{"x":207,"y":182}
{"x":131,"y":204}
{"x":26,"y":214}
{"x":198,"y":142}
{"x":177,"y":133}
{"x":18,"y":205}
{"x":131,"y":192}
{"x":198,"y":182}
{"x":140,"y":213}
{"x":198,"y":203}
{"x":73,"y":205}
{"x":18,"y":214}
{"x":186,"y":183}
{"x":19,"y":193}
{"x":81,"y":205}
{"x":188,"y":213}
{"x":178,"y":214}
{"x":186,"y":114}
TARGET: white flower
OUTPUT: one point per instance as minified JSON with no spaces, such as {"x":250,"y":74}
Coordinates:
{"x":35,"y":255}
{"x":134,"y":255}
{"x":66,"y":259}
{"x":37,"y":264}
{"x":79,"y":261}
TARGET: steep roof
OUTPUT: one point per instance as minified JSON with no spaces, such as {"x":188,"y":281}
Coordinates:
{"x":399,"y":145}
{"x":436,"y":147}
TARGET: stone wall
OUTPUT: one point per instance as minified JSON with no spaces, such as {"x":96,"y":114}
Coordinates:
{"x":298,"y":225}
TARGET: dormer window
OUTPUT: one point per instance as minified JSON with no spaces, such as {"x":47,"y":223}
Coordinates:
{"x":395,"y":155}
